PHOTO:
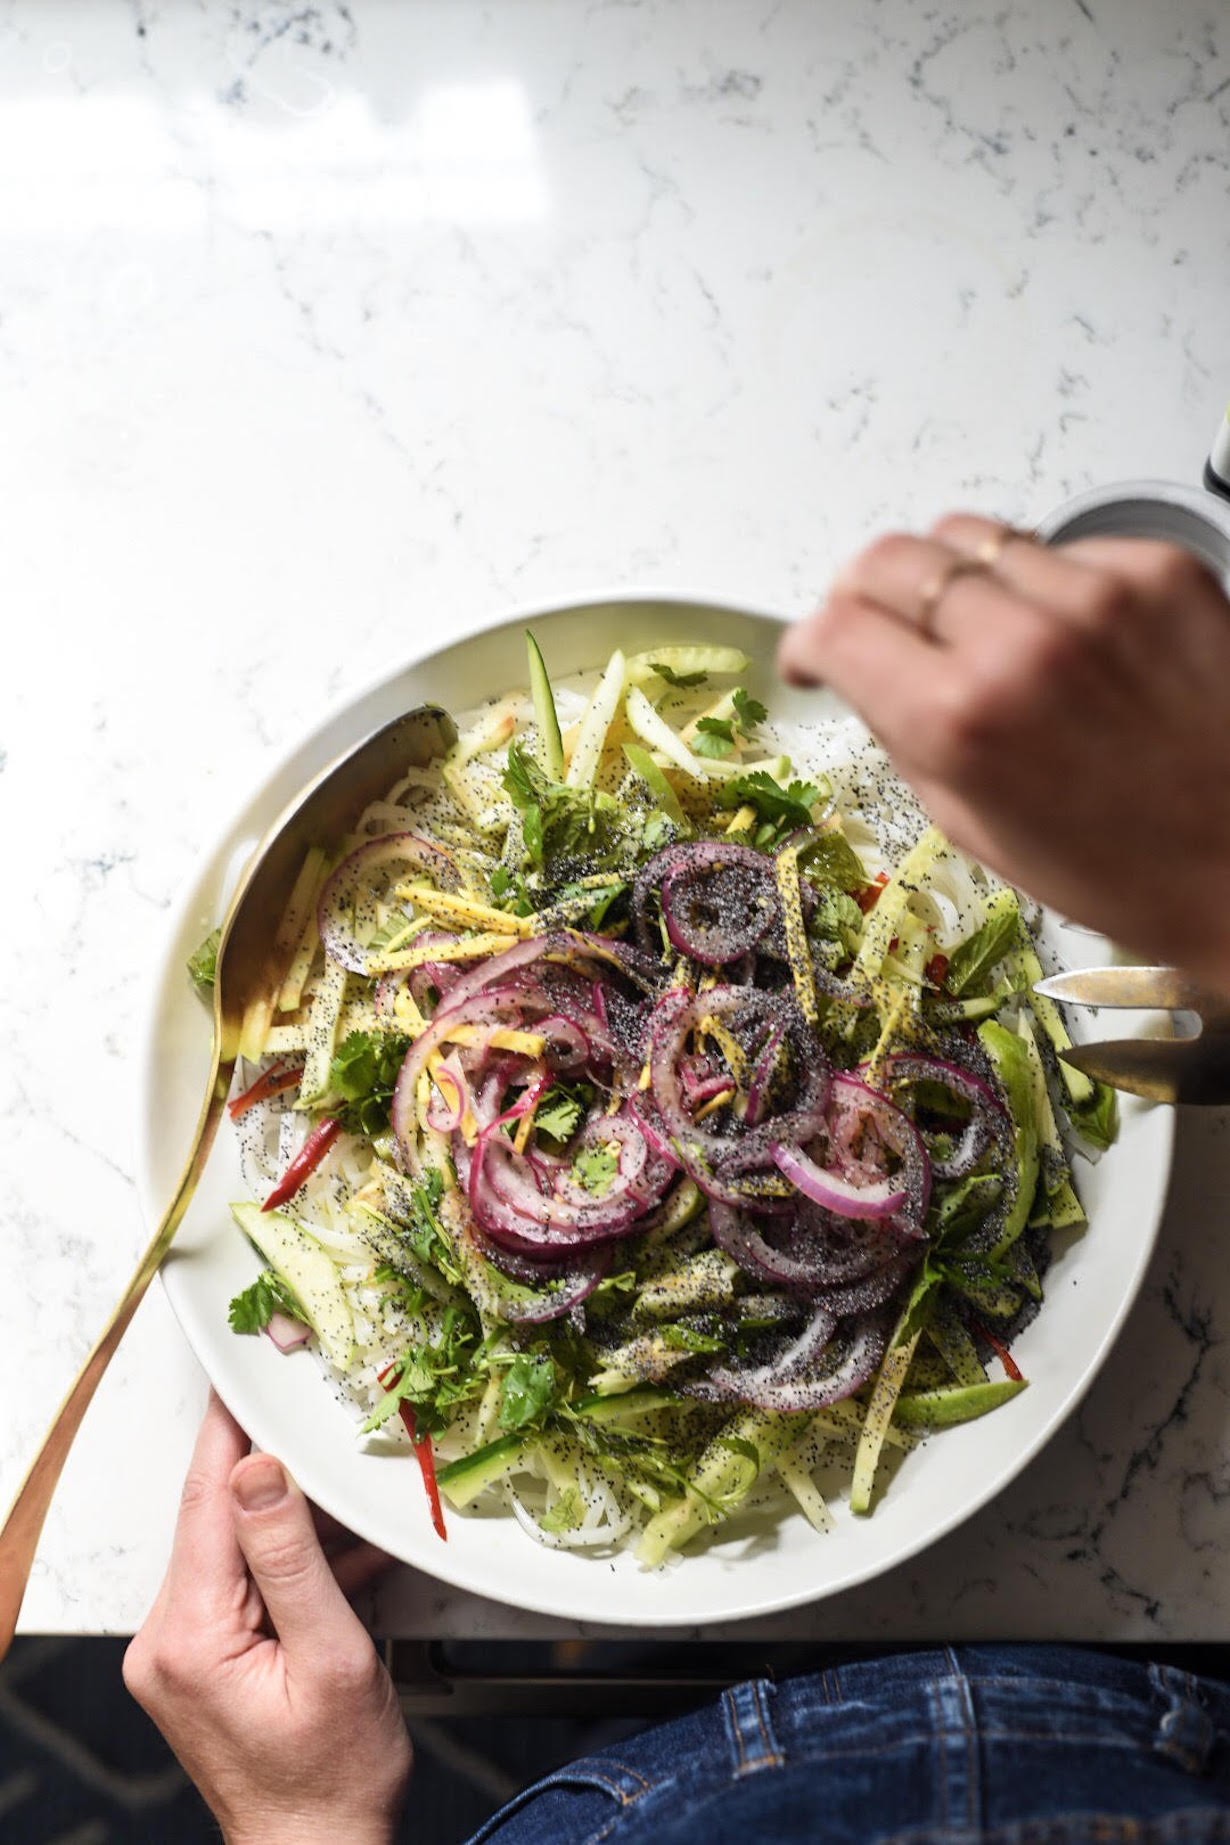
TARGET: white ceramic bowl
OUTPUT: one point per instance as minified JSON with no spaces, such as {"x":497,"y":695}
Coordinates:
{"x":286,"y":1403}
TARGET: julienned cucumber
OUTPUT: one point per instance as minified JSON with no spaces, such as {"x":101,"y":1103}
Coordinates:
{"x":309,"y":1272}
{"x":953,"y":1403}
{"x":550,"y":743}
{"x":462,"y":1481}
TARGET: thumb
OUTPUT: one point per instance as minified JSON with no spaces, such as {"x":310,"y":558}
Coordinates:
{"x":273,"y":1523}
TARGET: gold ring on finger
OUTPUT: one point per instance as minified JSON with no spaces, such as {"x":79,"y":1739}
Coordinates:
{"x":989,"y":551}
{"x":935,"y":588}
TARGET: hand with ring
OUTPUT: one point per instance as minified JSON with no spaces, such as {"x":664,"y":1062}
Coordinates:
{"x":1063,"y":713}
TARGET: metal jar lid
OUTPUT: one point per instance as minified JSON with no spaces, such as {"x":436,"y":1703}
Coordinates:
{"x":1148,"y":509}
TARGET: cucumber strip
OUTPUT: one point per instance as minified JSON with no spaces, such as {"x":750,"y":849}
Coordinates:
{"x":797,"y":946}
{"x":844,"y":1422}
{"x":1064,"y":1207}
{"x":686,"y":660}
{"x":587,"y":751}
{"x":703,"y":1283}
{"x":654,"y":730}
{"x":884,"y":1396}
{"x":550,"y":744}
{"x":321,"y":1033}
{"x":643,"y":765}
{"x":462,"y":1481}
{"x":300,"y":905}
{"x":803,"y":1487}
{"x":644,"y":1400}
{"x":952,"y":1340}
{"x":720,"y":1480}
{"x":944,"y":1408}
{"x":310,"y":1273}
{"x":291,"y":995}
{"x":930,"y":852}
{"x":1011,"y":1062}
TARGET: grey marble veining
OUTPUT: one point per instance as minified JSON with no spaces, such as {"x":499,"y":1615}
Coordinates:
{"x":323,"y":328}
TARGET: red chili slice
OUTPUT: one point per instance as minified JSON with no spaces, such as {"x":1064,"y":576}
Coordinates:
{"x":305,"y":1161}
{"x":424,"y":1454}
{"x":1000,"y":1350}
{"x":272,"y":1082}
{"x":868,"y":896}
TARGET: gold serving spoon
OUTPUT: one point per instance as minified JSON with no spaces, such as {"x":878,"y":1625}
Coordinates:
{"x":248,"y":972}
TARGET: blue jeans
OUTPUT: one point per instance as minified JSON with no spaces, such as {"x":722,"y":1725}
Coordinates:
{"x":1034,"y":1745}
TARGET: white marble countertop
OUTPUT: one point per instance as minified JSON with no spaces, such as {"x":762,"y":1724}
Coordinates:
{"x":323,"y":326}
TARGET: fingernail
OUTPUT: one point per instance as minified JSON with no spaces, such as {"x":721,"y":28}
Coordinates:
{"x":261,"y":1484}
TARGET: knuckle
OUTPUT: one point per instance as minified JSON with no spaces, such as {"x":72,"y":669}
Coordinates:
{"x":1174,"y":574}
{"x":951,"y":525}
{"x":969,"y":725}
{"x":284,"y":1558}
{"x":196,"y":1491}
{"x":136,"y":1667}
{"x":884,"y":552}
{"x":1055,"y":650}
{"x":351,"y":1671}
{"x":1105,"y":602}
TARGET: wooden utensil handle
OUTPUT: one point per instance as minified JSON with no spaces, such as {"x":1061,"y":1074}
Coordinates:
{"x":23,"y":1526}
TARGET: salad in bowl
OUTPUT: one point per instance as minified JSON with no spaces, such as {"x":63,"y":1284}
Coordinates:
{"x":655,"y":1119}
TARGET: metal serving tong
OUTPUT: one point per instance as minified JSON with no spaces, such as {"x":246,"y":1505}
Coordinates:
{"x":1193,"y":1066}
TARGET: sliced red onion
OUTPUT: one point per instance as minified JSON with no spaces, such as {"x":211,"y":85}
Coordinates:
{"x":348,"y":900}
{"x":877,"y":1198}
{"x":762,"y":1074}
{"x":787,"y":1382}
{"x":556,"y":1288}
{"x":989,"y":1120}
{"x":287,"y":1332}
{"x":717,"y":900}
{"x":447,"y":1104}
{"x":813,"y":1252}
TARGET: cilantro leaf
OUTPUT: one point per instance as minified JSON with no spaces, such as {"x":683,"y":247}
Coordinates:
{"x":251,"y":1311}
{"x":596,"y":1167}
{"x":527,"y":1390}
{"x":556,"y":821}
{"x":363,"y":1074}
{"x":714,"y":737}
{"x":748,"y":710}
{"x":684,"y":680}
{"x":559,"y":1111}
{"x":203,"y":965}
{"x":782,"y":808}
{"x":509,"y":892}
{"x":436,"y":1376}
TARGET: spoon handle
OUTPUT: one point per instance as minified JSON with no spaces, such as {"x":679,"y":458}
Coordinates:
{"x":23,"y":1526}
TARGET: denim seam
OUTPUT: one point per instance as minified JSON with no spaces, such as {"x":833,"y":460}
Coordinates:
{"x":770,"y":1756}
